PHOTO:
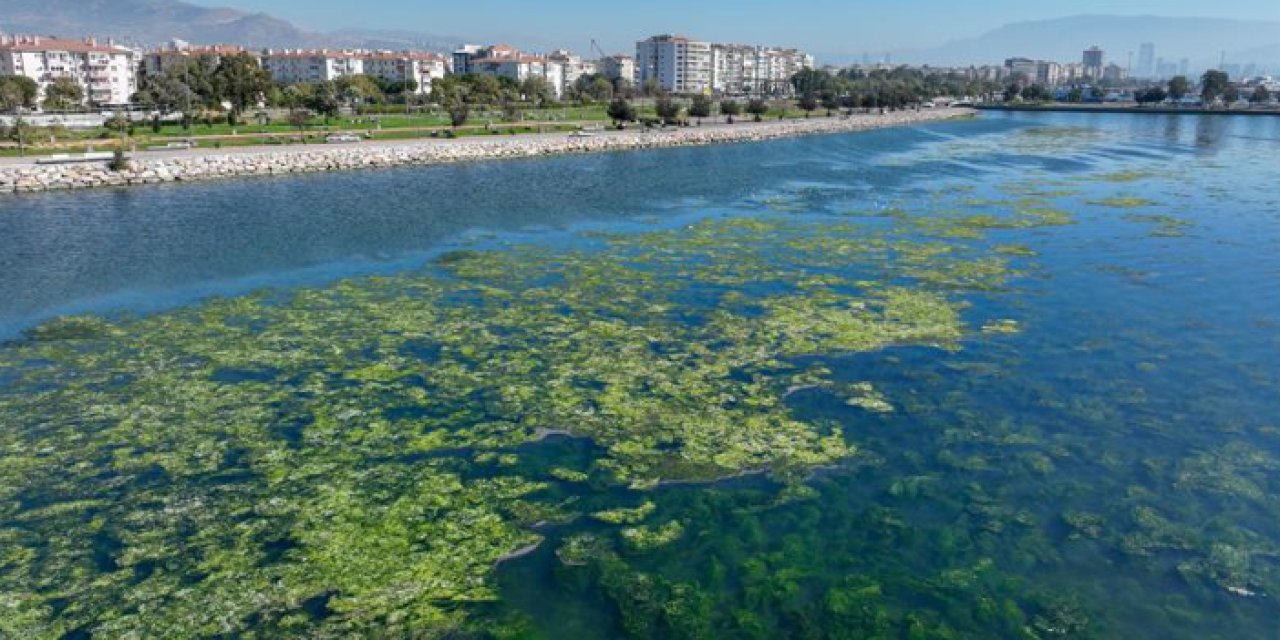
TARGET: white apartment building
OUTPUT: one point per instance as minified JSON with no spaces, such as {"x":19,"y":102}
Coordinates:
{"x":419,"y":67}
{"x":506,"y":61}
{"x":107,"y":73}
{"x":769,"y":70}
{"x":676,"y":63}
{"x":684,"y":66}
{"x":311,"y":66}
{"x":521,"y":68}
{"x":572,"y":66}
{"x":291,"y":66}
{"x":156,"y":61}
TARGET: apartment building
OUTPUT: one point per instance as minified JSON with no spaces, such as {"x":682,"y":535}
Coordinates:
{"x":289,"y":66}
{"x":681,"y":65}
{"x":676,"y":63}
{"x":506,"y":61}
{"x":311,"y":66}
{"x":768,"y":71}
{"x":618,"y":67}
{"x":419,"y":67}
{"x":106,"y":72}
{"x":572,"y":66}
{"x":156,"y":61}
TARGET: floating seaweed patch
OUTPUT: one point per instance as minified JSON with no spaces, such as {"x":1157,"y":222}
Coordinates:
{"x":1005,"y":326}
{"x":368,"y":475}
{"x":652,"y":537}
{"x":1164,"y":226}
{"x":1123,"y":202}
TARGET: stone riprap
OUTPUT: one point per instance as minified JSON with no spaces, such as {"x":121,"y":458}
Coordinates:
{"x":260,"y":161}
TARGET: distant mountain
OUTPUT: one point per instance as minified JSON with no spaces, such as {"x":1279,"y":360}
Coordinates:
{"x":396,"y":39}
{"x":1201,"y":40}
{"x":148,"y":22}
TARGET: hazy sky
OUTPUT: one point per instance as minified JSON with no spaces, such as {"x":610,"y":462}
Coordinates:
{"x":832,"y":26}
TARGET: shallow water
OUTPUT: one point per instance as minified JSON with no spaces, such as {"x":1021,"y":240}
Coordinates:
{"x":1105,"y":464}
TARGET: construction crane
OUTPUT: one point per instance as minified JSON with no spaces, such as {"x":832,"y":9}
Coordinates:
{"x":595,"y":46}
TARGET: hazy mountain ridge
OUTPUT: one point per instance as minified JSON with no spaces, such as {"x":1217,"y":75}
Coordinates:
{"x":149,"y":22}
{"x":1201,"y":40}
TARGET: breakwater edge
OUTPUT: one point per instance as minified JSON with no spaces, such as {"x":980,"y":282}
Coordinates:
{"x":199,"y":165}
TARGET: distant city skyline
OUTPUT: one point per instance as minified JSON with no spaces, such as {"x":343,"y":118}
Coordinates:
{"x":827,"y":26}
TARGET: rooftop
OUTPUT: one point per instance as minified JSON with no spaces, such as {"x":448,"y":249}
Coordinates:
{"x":44,"y":43}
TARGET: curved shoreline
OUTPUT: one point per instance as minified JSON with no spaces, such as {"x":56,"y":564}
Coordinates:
{"x":198,"y":165}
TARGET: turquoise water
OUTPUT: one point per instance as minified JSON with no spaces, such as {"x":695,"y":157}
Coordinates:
{"x":1095,"y":453}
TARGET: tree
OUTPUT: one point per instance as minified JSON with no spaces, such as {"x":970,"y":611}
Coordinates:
{"x":651,"y":87}
{"x":811,"y":81}
{"x":18,"y":92}
{"x":1037,"y":93}
{"x":459,"y":113}
{"x":1012,"y":92}
{"x":241,"y":81}
{"x":537,"y":90}
{"x":358,"y":89}
{"x":599,"y":88}
{"x":299,"y":118}
{"x":171,"y":90}
{"x":758,"y":108}
{"x":20,"y":132}
{"x":324,"y":100}
{"x":830,"y":102}
{"x":621,"y":111}
{"x":1179,"y":87}
{"x":1213,"y":84}
{"x":700,"y":107}
{"x":63,"y":93}
{"x":1154,"y":95}
{"x":730,"y":108}
{"x":1231,"y":95}
{"x":808,"y":103}
{"x":1076,"y":95}
{"x":1260,"y":95}
{"x":623,"y":87}
{"x":668,"y":110}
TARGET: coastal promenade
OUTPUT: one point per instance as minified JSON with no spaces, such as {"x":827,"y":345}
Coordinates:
{"x":24,"y":175}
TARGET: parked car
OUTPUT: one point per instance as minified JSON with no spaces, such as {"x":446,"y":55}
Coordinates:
{"x":340,"y":138}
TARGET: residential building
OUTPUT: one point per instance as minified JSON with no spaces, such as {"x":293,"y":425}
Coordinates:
{"x":1093,"y":60}
{"x":463,"y":56}
{"x":289,"y":66}
{"x":681,"y":65}
{"x":572,"y":66}
{"x":422,"y":68}
{"x":676,"y":63}
{"x":766,"y":70}
{"x":618,"y":67}
{"x":107,"y":73}
{"x":505,"y":61}
{"x":156,"y":61}
{"x":1115,"y":73}
{"x":1023,"y":70}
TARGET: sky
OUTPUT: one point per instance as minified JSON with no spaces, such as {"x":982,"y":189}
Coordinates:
{"x":819,"y":25}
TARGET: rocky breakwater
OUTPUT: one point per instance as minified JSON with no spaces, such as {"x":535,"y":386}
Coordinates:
{"x":200,"y":165}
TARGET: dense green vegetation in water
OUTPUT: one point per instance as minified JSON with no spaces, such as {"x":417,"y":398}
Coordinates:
{"x":757,"y":425}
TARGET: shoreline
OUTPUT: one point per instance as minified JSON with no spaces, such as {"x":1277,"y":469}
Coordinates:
{"x":199,"y":165}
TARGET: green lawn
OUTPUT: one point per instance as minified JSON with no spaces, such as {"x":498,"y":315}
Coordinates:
{"x":379,"y":126}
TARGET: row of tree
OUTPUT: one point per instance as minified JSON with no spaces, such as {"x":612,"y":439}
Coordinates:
{"x":1213,"y":85}
{"x":21,"y":92}
{"x":888,"y":88}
